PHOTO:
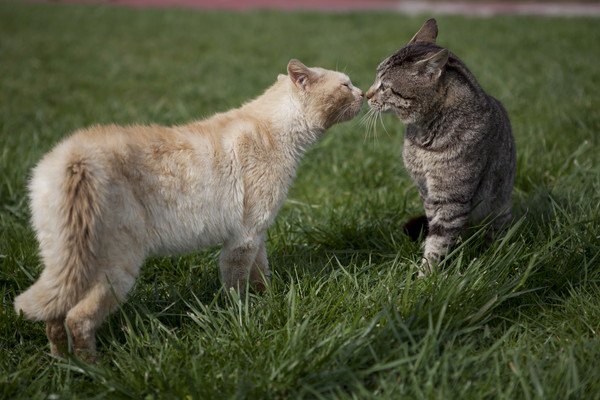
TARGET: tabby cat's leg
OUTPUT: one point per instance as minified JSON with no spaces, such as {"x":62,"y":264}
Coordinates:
{"x":446,"y":218}
{"x":499,"y":224}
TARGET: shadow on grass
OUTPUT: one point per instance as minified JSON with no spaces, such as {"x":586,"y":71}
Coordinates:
{"x":545,"y":255}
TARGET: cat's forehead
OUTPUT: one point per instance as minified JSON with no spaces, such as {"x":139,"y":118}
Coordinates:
{"x":342,"y":77}
{"x":406,"y":55}
{"x":393,"y":61}
{"x":329,"y":74}
{"x":383,"y":66}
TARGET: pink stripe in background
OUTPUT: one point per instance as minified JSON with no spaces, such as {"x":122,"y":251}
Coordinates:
{"x":411,"y":7}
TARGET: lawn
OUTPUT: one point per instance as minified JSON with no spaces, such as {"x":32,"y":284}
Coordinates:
{"x":344,"y":317}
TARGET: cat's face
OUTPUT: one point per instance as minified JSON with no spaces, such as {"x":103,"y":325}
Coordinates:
{"x":328,"y":97}
{"x":407,"y":82}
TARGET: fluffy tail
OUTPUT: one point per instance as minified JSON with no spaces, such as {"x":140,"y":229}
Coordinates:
{"x":69,"y":248}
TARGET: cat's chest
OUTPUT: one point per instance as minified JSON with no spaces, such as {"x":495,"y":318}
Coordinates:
{"x":413,"y":155}
{"x":417,"y":160}
{"x":424,"y":153}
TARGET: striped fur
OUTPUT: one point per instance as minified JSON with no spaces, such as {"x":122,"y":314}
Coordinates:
{"x":458,"y":148}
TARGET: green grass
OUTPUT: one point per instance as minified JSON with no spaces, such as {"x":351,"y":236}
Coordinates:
{"x":344,"y":318}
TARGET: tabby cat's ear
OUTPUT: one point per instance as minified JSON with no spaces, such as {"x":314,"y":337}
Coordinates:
{"x":427,"y":34}
{"x":433,"y":66}
{"x":299,"y":73}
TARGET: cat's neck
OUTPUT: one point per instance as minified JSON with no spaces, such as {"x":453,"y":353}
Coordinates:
{"x":281,"y":110}
{"x":459,"y":94}
{"x":277,"y":114}
{"x":458,"y":98}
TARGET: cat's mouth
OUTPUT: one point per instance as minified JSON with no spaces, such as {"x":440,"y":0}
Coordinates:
{"x":378,"y":106}
{"x":350,"y":110}
{"x":355,"y":107}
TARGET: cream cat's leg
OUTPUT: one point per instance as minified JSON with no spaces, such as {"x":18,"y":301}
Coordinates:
{"x":236,"y":260}
{"x":103,"y":297}
{"x":57,"y":336}
{"x":259,"y":273}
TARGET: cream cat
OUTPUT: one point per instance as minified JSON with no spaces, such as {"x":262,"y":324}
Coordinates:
{"x":109,"y":196}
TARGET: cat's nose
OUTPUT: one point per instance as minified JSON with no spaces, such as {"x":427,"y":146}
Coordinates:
{"x":370,"y":92}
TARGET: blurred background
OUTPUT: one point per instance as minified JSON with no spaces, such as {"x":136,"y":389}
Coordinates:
{"x":464,"y":7}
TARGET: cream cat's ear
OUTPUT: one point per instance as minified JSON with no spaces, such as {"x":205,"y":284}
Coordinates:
{"x":427,"y":34}
{"x":299,"y":73}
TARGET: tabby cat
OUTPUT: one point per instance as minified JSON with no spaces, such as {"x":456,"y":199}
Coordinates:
{"x":458,"y":149}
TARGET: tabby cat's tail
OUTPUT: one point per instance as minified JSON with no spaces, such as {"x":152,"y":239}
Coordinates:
{"x":416,"y":227}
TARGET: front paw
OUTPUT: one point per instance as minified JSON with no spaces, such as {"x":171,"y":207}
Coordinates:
{"x":424,"y":268}
{"x":428,"y":264}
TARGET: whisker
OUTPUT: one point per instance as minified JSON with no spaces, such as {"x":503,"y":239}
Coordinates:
{"x":367,"y":122}
{"x":383,"y":125}
{"x":375,"y":132}
{"x":365,"y":117}
{"x":364,"y":121}
{"x":342,"y":112}
{"x":372,"y":123}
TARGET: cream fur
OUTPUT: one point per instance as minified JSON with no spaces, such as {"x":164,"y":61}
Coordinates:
{"x":107,"y":197}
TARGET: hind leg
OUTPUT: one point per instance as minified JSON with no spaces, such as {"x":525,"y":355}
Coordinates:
{"x":57,"y":335}
{"x":498,"y":226}
{"x":86,"y":317}
{"x":259,"y":272}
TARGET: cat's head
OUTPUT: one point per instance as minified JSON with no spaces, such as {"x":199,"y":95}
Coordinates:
{"x":408,"y":81}
{"x":327,"y":97}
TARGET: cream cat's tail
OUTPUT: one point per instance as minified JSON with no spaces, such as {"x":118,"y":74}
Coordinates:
{"x":66,"y":201}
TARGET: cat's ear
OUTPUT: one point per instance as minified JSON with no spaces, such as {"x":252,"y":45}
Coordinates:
{"x":427,"y":34}
{"x":299,"y":73}
{"x":433,"y":66}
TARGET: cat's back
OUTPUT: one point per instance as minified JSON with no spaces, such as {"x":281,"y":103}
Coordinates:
{"x":116,"y":158}
{"x":116,"y":139}
{"x":483,"y":111}
{"x":120,"y":149}
{"x":138,"y":174}
{"x":500,"y":118}
{"x":105,"y":141}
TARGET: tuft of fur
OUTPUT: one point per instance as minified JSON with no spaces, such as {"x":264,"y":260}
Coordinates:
{"x":458,"y":147}
{"x":109,"y":196}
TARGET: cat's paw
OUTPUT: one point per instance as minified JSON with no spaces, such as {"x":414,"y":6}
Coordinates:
{"x":260,"y":284}
{"x":425,"y":268}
